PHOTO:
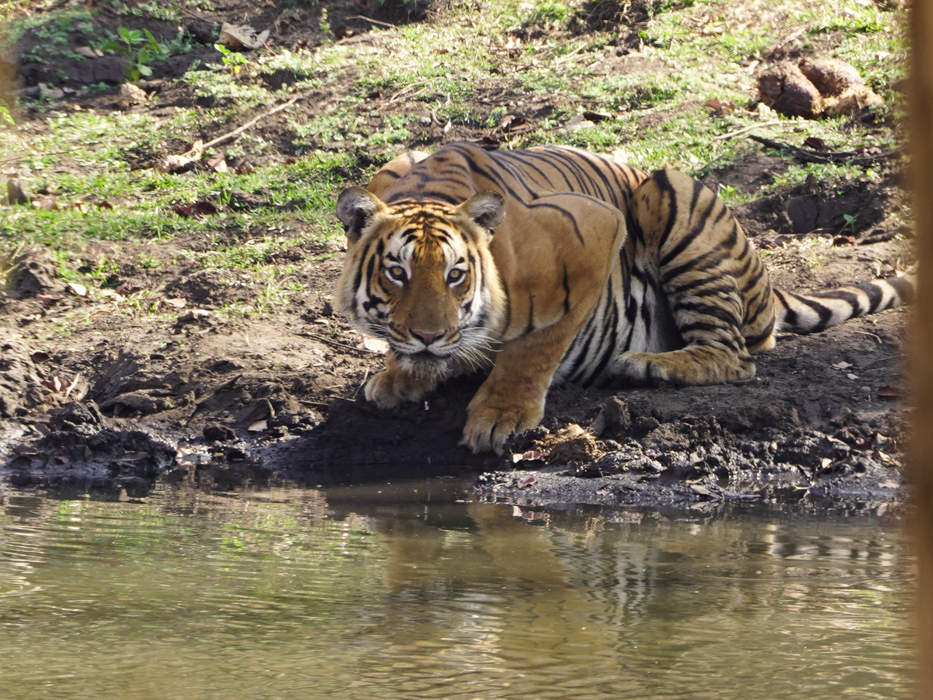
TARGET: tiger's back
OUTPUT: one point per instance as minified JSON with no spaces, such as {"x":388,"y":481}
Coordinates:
{"x":675,"y":224}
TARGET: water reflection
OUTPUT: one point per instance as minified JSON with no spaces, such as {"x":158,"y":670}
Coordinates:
{"x":403,"y":592}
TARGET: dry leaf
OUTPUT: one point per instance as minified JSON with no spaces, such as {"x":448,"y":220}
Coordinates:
{"x":46,"y":204}
{"x":218,"y":164}
{"x":111,"y":294}
{"x":816,"y":143}
{"x":77,"y":289}
{"x":376,"y":345}
{"x":242,"y":36}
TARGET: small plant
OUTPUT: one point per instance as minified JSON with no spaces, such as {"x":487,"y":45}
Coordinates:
{"x":139,"y":47}
{"x":233,"y":61}
{"x":849,"y":226}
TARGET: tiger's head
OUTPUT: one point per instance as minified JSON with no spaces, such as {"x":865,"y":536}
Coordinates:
{"x":421,"y":276}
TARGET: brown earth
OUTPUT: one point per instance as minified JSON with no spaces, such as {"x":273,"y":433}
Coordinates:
{"x":185,"y":393}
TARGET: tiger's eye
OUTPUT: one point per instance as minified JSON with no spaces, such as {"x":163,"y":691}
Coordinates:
{"x":455,"y":276}
{"x":396,"y":273}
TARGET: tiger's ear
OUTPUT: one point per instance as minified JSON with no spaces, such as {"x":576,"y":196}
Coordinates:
{"x":486,"y":208}
{"x":355,"y":208}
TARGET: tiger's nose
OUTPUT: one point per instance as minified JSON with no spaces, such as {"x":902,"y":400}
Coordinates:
{"x":425,"y":337}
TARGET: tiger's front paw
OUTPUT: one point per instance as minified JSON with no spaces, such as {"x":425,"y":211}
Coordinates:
{"x":490,"y":422}
{"x":390,"y":388}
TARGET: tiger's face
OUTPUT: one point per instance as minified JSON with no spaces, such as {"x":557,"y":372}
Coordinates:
{"x":420,"y":276}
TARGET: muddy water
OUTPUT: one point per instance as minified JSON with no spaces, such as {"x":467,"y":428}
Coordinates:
{"x":402,"y":592}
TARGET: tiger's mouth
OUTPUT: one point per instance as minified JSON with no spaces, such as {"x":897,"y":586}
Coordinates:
{"x":426,"y":357}
{"x":425,"y":364}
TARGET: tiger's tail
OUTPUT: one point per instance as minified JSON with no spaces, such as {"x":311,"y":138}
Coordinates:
{"x":807,"y":313}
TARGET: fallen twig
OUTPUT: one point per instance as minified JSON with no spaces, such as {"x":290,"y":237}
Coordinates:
{"x":175,"y":163}
{"x":191,"y":13}
{"x":739,"y":132}
{"x":372,"y":21}
{"x":810,"y":156}
{"x":414,"y":88}
{"x":73,"y":384}
{"x":336,"y":343}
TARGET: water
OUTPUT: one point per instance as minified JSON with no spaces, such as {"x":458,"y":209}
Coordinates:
{"x":401,"y":592}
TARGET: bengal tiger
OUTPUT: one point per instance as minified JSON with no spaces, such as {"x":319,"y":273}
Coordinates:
{"x":554,"y":264}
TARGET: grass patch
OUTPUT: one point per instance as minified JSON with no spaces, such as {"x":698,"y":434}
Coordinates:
{"x":414,"y":86}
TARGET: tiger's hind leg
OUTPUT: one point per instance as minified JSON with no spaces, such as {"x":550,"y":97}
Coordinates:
{"x":708,"y":274}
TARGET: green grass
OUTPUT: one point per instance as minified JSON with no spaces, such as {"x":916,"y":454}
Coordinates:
{"x":371,"y":99}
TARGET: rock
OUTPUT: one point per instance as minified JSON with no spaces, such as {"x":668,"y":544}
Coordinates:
{"x":830,"y":76}
{"x":218,"y":433}
{"x":815,"y":87}
{"x":132,"y":95}
{"x":787,"y":90}
{"x":852,"y":101}
{"x":614,"y":418}
{"x":16,"y":192}
{"x":31,"y":273}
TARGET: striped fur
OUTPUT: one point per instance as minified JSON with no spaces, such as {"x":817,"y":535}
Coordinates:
{"x":553,"y":264}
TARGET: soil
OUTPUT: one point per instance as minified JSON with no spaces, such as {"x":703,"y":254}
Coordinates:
{"x":96,"y":399}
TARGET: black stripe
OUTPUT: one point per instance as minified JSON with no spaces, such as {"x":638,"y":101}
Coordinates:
{"x":586,"y":334}
{"x":761,"y":300}
{"x":518,"y":175}
{"x":358,"y":278}
{"x":585,"y":183}
{"x":664,"y":184}
{"x":611,"y":194}
{"x":536,"y":155}
{"x":753,"y":340}
{"x":609,"y":349}
{"x":690,"y":237}
{"x":646,"y":313}
{"x":508,"y":306}
{"x":634,"y":230}
{"x":790,"y":317}
{"x":904,"y":288}
{"x":623,"y":189}
{"x":548,"y":205}
{"x":530,"y":326}
{"x":525,"y":164}
{"x":705,"y":262}
{"x":844,"y":295}
{"x":425,"y":194}
{"x":566,"y":284}
{"x":490,"y":175}
{"x":874,"y":294}
{"x":699,"y":282}
{"x":702,"y":327}
{"x":822,"y":311}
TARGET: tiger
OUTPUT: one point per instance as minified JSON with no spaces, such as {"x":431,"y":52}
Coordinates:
{"x":553,"y":264}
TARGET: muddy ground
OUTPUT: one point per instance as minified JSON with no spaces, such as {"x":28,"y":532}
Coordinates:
{"x":96,"y":399}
